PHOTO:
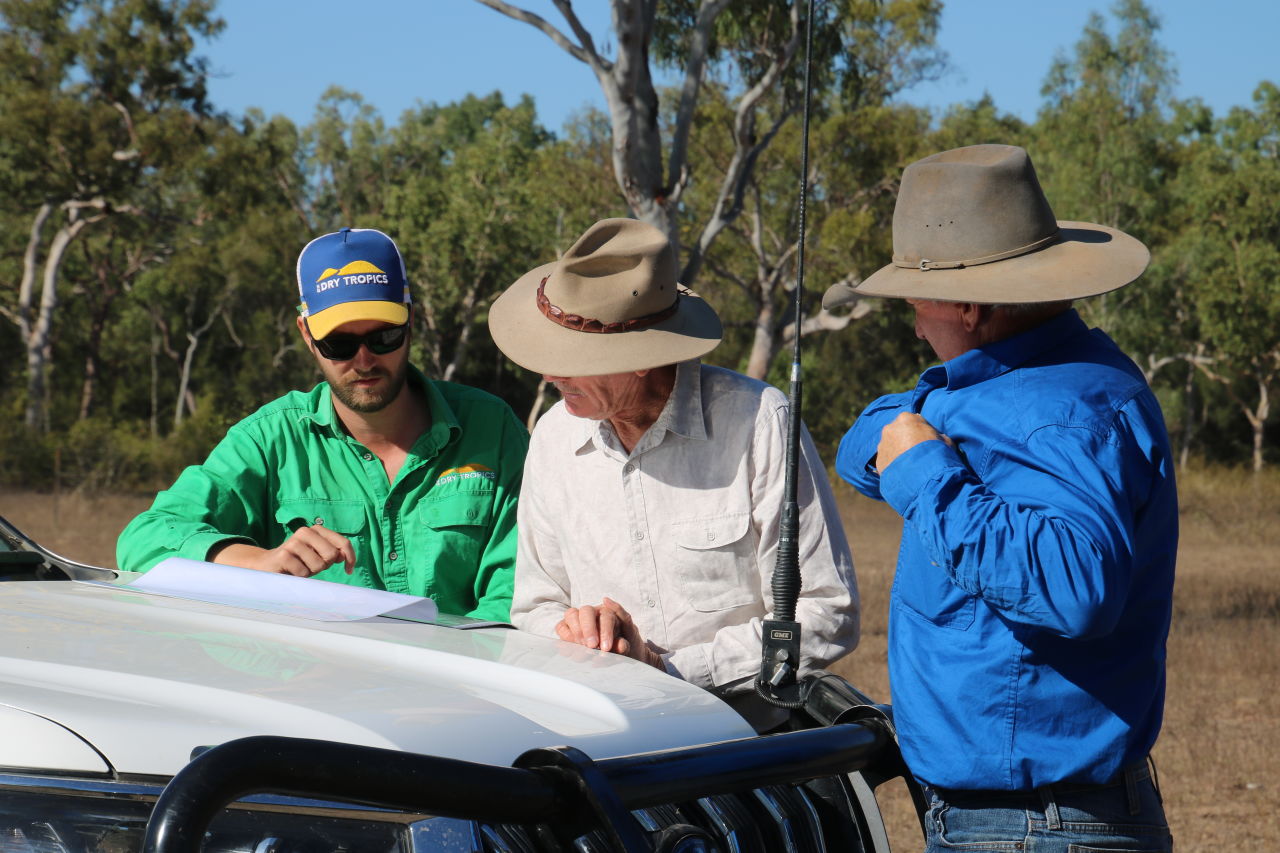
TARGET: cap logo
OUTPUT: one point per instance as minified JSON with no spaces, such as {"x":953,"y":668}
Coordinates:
{"x":356,"y":272}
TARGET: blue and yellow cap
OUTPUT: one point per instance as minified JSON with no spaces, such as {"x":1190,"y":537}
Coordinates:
{"x":352,"y":274}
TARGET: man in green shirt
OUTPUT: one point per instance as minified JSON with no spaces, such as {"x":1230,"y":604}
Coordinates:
{"x":377,"y":477}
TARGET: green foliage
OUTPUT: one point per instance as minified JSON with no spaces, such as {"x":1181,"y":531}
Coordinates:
{"x":177,"y":311}
{"x":103,"y":455}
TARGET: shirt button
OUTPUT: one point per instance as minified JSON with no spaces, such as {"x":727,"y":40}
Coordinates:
{"x":368,"y":457}
{"x":472,"y":513}
{"x":628,"y":468}
{"x":319,"y":522}
{"x":639,"y":535}
{"x":711,"y":537}
{"x":392,"y":555}
{"x":650,"y":602}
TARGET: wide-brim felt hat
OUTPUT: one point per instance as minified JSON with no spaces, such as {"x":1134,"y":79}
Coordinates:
{"x":610,"y":304}
{"x":973,"y":225}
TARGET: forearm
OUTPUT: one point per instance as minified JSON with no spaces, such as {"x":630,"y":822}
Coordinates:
{"x":235,"y":553}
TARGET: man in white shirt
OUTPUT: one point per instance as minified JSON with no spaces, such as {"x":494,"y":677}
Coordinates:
{"x":649,"y":515}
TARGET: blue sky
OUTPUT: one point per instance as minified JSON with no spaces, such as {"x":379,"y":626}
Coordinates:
{"x":281,"y":54}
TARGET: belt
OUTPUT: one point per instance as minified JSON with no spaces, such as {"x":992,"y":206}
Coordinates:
{"x":1129,"y":775}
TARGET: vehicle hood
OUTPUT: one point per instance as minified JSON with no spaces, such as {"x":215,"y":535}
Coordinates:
{"x":144,"y":679}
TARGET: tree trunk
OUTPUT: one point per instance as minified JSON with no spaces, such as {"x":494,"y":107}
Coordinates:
{"x":185,"y":397}
{"x":155,"y":384}
{"x":535,"y":411}
{"x":467,"y":310}
{"x":1257,"y":447}
{"x":88,"y":387}
{"x":184,"y":380}
{"x":764,"y":342}
{"x":39,"y":341}
{"x":91,"y":359}
{"x":30,"y":267}
{"x":1259,"y":421}
{"x":652,"y":192}
{"x":1188,"y":426}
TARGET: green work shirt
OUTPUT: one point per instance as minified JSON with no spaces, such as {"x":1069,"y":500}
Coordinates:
{"x":445,"y":529}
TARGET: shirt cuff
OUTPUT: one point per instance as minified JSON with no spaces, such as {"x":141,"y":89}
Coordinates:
{"x":902,"y":482}
{"x":198,"y":545}
{"x":855,"y":461}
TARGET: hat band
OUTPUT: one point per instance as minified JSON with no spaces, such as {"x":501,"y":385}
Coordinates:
{"x":927,"y":264}
{"x":585,"y":324}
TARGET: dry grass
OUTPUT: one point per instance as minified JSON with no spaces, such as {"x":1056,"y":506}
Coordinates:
{"x":1219,"y":752}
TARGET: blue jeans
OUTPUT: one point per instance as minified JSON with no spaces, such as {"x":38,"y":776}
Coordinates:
{"x":1126,"y":814}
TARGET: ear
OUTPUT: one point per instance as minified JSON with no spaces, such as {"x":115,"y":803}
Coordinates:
{"x":972,"y":314}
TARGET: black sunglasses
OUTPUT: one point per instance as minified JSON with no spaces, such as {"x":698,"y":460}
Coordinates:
{"x":343,"y":347}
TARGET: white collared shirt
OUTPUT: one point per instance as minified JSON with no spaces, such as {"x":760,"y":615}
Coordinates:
{"x":683,"y":531}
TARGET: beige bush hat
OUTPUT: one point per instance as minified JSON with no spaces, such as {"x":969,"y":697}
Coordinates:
{"x":611,"y":304}
{"x":973,"y":225}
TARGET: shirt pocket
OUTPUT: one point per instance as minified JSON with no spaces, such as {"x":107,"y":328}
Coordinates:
{"x":714,"y":561}
{"x":929,"y":595}
{"x":449,"y":534}
{"x":350,"y":518}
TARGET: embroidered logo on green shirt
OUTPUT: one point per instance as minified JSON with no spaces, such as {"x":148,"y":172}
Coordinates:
{"x":470,"y":471}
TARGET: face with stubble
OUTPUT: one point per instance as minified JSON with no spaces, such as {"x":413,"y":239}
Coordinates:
{"x":366,"y":382}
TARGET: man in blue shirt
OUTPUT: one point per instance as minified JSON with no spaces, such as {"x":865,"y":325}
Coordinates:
{"x":1032,"y":469}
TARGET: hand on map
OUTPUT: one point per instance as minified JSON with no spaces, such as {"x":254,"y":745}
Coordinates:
{"x":903,"y":433}
{"x":608,"y":627}
{"x":308,"y":551}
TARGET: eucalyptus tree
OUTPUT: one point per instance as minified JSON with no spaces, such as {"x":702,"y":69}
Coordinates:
{"x":1107,"y":150}
{"x":860,"y":145}
{"x":474,"y":192}
{"x":348,"y":144}
{"x":466,"y":215}
{"x":98,"y":98}
{"x":866,"y":49}
{"x":750,"y":273}
{"x":218,"y":308}
{"x":1228,"y":255}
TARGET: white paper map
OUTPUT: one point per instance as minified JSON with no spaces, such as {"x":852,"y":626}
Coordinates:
{"x":305,"y":598}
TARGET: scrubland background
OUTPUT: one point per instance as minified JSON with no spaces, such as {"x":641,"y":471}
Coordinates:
{"x":1218,"y":756}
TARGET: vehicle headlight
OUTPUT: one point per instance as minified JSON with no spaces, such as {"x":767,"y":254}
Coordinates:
{"x":92,"y":822}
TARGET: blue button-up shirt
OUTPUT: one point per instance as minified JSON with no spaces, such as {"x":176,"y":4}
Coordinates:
{"x":1032,"y":597}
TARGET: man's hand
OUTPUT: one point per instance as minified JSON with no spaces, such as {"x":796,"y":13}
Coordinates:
{"x":609,"y":628}
{"x":903,"y":433}
{"x":308,"y":551}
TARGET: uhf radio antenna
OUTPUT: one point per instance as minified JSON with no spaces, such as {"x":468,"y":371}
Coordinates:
{"x":780,"y":648}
